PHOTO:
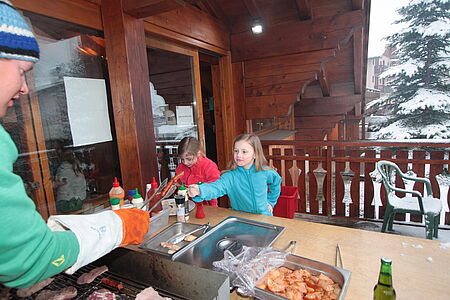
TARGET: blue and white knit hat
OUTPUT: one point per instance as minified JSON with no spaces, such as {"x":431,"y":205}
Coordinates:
{"x":16,"y":38}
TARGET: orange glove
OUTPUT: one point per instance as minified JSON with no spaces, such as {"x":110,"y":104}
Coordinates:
{"x":135,"y":224}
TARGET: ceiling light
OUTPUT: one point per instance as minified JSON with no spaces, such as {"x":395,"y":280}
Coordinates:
{"x":257,"y":26}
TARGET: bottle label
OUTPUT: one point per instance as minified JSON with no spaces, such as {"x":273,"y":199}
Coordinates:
{"x":180,"y":214}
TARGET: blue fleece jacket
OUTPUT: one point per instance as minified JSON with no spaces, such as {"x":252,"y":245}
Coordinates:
{"x":247,"y":189}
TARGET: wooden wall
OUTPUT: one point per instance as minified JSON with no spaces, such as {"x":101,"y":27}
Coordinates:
{"x":310,"y":69}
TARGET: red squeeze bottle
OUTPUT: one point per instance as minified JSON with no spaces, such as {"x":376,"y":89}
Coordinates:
{"x":199,"y":213}
{"x":154,"y":187}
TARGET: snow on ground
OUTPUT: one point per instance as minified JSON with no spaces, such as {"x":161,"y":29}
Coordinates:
{"x":445,"y":245}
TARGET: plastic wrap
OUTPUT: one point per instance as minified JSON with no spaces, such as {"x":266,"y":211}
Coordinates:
{"x":249,"y":266}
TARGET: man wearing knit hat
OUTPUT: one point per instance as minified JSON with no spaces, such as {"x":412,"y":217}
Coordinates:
{"x":30,"y":249}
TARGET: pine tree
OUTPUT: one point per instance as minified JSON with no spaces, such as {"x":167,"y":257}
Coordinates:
{"x":420,"y":102}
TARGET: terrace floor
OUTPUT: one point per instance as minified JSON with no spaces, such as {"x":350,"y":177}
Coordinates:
{"x":399,"y":229}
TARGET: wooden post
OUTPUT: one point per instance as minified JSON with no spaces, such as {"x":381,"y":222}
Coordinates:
{"x":129,"y":79}
{"x":228,"y":110}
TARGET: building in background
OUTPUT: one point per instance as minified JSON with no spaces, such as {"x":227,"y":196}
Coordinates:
{"x":375,"y":67}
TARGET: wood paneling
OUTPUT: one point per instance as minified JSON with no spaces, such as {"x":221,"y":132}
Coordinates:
{"x":128,"y":71}
{"x":264,"y":107}
{"x":295,"y":37}
{"x":191,"y":23}
{"x":304,"y":9}
{"x":287,"y":64}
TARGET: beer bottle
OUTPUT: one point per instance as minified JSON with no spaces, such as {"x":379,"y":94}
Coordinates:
{"x":384,"y":290}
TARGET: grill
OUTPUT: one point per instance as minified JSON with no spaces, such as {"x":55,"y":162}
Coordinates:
{"x":130,"y":290}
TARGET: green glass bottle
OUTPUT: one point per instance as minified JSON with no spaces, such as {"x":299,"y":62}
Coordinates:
{"x":384,"y":290}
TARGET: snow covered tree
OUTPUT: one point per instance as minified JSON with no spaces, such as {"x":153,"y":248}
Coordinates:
{"x":420,"y":102}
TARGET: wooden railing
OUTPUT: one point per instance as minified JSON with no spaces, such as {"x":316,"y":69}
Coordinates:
{"x":338,"y":178}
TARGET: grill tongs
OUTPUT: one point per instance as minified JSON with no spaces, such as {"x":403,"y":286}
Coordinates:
{"x":178,"y":238}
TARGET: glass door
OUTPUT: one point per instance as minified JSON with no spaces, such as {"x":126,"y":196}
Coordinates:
{"x":174,"y":75}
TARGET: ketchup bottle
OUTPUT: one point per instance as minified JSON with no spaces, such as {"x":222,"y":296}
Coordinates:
{"x":200,"y":212}
{"x":151,"y":191}
{"x":117,"y":191}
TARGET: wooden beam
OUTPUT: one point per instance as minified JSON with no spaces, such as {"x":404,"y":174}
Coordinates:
{"x":146,"y":8}
{"x":219,"y":117}
{"x":239,"y":96}
{"x":228,"y":108}
{"x":304,"y":9}
{"x":253,"y":8}
{"x":323,"y":81}
{"x":129,"y":80}
{"x":79,"y":12}
{"x":198,"y":98}
{"x":327,"y":106}
{"x":358,"y":57}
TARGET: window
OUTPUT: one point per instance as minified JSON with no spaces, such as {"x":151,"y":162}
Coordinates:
{"x":68,"y":111}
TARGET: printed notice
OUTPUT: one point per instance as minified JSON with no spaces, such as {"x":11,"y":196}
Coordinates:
{"x":185,"y":115}
{"x":87,"y":107}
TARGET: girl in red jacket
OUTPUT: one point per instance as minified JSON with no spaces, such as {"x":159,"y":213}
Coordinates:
{"x":196,"y":166}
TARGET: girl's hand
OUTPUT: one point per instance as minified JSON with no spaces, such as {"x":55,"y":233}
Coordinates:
{"x":269,"y":207}
{"x":193,"y":190}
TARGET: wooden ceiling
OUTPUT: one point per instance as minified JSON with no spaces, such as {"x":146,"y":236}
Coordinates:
{"x":238,"y":15}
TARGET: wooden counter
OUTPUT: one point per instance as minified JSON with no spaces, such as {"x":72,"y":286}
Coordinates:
{"x":421,"y":268}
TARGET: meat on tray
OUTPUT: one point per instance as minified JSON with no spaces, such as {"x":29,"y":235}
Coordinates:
{"x":172,"y":247}
{"x":27,"y":292}
{"x":62,"y":294}
{"x":102,"y":294}
{"x":112,"y":283}
{"x":90,"y":276}
{"x":149,"y":294}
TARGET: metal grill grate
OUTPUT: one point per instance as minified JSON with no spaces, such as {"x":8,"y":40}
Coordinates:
{"x":130,"y":290}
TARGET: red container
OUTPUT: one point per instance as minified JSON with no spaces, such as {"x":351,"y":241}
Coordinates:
{"x":286,"y":203}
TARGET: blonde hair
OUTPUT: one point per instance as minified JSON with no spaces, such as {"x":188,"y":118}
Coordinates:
{"x":191,"y":146}
{"x":260,"y":159}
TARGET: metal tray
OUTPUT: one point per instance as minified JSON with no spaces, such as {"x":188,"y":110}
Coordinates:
{"x":230,"y":234}
{"x":154,"y":244}
{"x":294,"y":262}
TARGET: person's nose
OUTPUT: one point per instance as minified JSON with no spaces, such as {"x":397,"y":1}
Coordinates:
{"x":24,"y":90}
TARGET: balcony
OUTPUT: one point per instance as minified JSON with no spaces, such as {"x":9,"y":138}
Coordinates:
{"x":337,"y":179}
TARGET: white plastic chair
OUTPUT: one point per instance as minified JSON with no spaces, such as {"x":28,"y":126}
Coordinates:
{"x":416,"y":204}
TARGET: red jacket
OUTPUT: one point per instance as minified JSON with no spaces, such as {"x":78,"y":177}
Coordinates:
{"x":204,"y":170}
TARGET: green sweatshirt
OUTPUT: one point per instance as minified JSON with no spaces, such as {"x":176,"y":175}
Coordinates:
{"x":29,"y":250}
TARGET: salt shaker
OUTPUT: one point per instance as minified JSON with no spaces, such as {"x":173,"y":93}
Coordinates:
{"x":180,"y":202}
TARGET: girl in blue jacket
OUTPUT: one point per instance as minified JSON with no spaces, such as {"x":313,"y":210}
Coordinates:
{"x":251,"y":185}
